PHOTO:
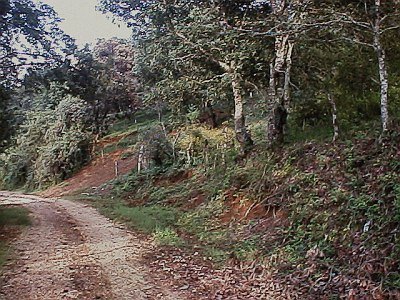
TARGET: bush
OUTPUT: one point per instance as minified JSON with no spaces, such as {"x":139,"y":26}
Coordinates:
{"x":49,"y":146}
{"x":167,"y":237}
{"x":154,"y":147}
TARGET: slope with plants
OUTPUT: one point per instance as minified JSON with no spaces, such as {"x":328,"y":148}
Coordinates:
{"x":262,"y":138}
{"x":314,"y":219}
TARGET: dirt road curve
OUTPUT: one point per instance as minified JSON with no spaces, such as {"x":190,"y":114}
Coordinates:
{"x":72,"y":252}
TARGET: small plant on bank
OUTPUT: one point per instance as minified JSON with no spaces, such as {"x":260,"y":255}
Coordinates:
{"x":167,"y":237}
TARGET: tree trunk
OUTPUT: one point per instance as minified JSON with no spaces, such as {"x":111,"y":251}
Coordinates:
{"x":334,"y":118}
{"x":279,"y":89}
{"x":288,"y":62}
{"x":242,"y":135}
{"x":143,"y":159}
{"x":383,"y":73}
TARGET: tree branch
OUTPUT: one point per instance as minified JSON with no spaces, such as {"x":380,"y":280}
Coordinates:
{"x":358,"y":42}
{"x":389,"y":28}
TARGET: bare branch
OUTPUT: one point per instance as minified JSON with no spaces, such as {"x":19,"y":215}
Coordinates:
{"x":351,"y":20}
{"x":358,"y":42}
{"x":389,"y":28}
{"x":207,"y":80}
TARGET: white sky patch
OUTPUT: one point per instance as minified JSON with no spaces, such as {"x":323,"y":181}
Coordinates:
{"x":84,"y":23}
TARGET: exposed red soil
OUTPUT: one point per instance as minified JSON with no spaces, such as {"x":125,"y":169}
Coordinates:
{"x":312,"y":279}
{"x":99,"y":171}
{"x":195,"y":199}
{"x":239,"y":209}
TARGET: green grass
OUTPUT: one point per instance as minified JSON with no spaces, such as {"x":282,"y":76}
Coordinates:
{"x":128,"y":132}
{"x":11,"y":216}
{"x":316,"y":133}
{"x":325,"y":195}
{"x":14,"y":216}
{"x":123,"y":127}
{"x":147,"y":219}
{"x":126,"y":124}
{"x":129,"y":127}
{"x":167,"y":237}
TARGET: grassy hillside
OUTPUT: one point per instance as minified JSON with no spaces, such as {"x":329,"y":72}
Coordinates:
{"x":311,"y":209}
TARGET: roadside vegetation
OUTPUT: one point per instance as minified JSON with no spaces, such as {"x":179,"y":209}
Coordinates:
{"x":260,"y":132}
{"x":323,"y":208}
{"x":12,"y":219}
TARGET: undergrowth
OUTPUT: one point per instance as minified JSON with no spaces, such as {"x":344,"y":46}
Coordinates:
{"x":334,"y":206}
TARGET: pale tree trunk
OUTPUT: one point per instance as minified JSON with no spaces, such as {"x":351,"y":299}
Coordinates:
{"x":383,"y":79}
{"x":383,"y":73}
{"x":143,"y":159}
{"x":288,"y":62}
{"x":334,"y":117}
{"x":288,"y":15}
{"x":279,"y":89}
{"x":242,"y":135}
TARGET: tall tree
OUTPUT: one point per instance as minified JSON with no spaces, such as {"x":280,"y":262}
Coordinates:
{"x":4,"y":126}
{"x":118,"y":82}
{"x":368,"y":21}
{"x":287,"y":22}
{"x":202,"y":33}
{"x":29,"y":36}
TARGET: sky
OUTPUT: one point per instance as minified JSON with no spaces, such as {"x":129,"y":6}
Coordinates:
{"x":84,"y":23}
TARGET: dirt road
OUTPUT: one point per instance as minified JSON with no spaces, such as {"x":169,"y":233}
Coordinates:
{"x":73,"y":252}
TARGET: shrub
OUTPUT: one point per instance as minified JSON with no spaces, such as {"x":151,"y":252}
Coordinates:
{"x":48,"y":147}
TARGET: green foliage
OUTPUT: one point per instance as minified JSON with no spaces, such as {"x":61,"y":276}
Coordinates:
{"x":14,"y":216}
{"x":118,"y":88}
{"x":4,"y":118}
{"x":148,"y":218}
{"x":156,"y":146}
{"x":320,"y":132}
{"x":365,"y":206}
{"x":216,"y":254}
{"x":394,"y":94}
{"x":49,"y":145}
{"x":197,"y":144}
{"x":167,"y":237}
{"x":313,"y":204}
{"x":4,"y":253}
{"x":29,"y":30}
{"x":200,"y":221}
{"x":184,"y":48}
{"x":331,"y":199}
{"x":397,"y":202}
{"x":248,"y":249}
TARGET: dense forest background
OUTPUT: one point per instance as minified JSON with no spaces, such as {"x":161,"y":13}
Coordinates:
{"x":272,"y":68}
{"x":295,"y":104}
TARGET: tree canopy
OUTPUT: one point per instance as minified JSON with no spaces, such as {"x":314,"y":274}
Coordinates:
{"x":283,"y":64}
{"x":29,"y":37}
